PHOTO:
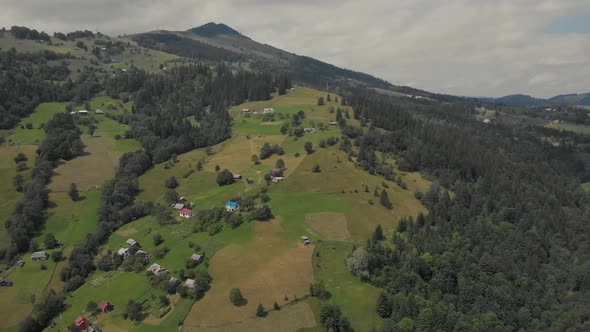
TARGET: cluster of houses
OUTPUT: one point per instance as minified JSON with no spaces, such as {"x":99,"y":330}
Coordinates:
{"x":267,"y":110}
{"x":85,"y":112}
{"x":133,"y":247}
{"x":83,"y":324}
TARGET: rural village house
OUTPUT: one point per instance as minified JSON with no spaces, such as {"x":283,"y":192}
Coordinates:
{"x":197,"y":258}
{"x":186,"y":213}
{"x":189,"y":283}
{"x":305,"y":240}
{"x":39,"y":256}
{"x":131,"y":243}
{"x":123,"y":252}
{"x":232,"y":206}
{"x":157,"y":270}
{"x":105,"y":306}
{"x":178,"y":206}
{"x":309,"y":130}
{"x":5,"y":282}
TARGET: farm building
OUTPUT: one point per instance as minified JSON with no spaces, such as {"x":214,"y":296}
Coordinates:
{"x":131,"y":243}
{"x":275,"y":173}
{"x":487,"y":121}
{"x":305,"y":240}
{"x":157,"y":270}
{"x":250,"y":180}
{"x":277,"y":179}
{"x":105,"y":306}
{"x":19,"y":263}
{"x":268,"y":110}
{"x":99,"y":111}
{"x":82,"y":112}
{"x":5,"y":282}
{"x":178,"y":206}
{"x":73,"y":113}
{"x":245,"y":110}
{"x":332,"y":123}
{"x":123,"y":252}
{"x":232,"y":206}
{"x":309,"y":130}
{"x":186,"y":213}
{"x":189,"y":283}
{"x":141,"y":253}
{"x":82,"y":323}
{"x":237,"y":176}
{"x":173,"y":281}
{"x":197,"y":258}
{"x":39,"y":256}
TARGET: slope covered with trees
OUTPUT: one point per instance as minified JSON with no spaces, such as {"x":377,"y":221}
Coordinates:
{"x":509,"y":251}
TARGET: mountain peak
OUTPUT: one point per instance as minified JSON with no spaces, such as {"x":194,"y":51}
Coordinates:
{"x":213,"y":29}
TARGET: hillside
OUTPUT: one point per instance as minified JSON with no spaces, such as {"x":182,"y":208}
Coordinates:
{"x":211,"y":41}
{"x":143,"y":190}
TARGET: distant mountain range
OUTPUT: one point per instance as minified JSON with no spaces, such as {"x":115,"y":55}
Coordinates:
{"x":526,"y":100}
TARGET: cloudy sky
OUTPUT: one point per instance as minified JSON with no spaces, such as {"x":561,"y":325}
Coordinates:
{"x":462,"y":47}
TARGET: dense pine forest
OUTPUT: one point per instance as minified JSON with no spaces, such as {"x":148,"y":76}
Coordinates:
{"x":507,"y":251}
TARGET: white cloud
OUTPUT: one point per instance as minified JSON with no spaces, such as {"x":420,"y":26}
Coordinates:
{"x":465,"y":47}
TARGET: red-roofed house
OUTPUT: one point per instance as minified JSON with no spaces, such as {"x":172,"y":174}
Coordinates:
{"x":186,"y":213}
{"x":105,"y":306}
{"x":82,"y":323}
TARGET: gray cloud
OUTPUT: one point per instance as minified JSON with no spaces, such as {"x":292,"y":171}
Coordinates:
{"x":464,"y":47}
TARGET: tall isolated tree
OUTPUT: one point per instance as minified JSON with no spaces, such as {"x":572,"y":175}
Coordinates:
{"x":384,"y":200}
{"x":73,"y":192}
{"x":91,"y":129}
{"x":280,"y":164}
{"x":308,"y":146}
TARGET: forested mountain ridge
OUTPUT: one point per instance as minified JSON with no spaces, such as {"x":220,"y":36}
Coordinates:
{"x":201,"y":41}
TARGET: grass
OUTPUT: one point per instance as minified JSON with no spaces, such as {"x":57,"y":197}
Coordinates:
{"x":356,"y":298}
{"x":289,"y":318}
{"x":30,"y":280}
{"x":8,"y":194}
{"x":331,"y":226}
{"x":586,"y":186}
{"x":43,"y":113}
{"x":577,"y":128}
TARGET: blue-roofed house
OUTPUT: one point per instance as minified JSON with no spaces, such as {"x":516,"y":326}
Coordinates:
{"x":231,"y":206}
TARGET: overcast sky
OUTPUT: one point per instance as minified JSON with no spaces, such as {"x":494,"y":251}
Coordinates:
{"x":474,"y":48}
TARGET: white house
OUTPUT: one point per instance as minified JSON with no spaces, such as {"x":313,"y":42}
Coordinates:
{"x":268,"y":110}
{"x":131,"y":242}
{"x":189,"y":283}
{"x":98,"y":111}
{"x":157,"y":270}
{"x":309,"y":130}
{"x":82,"y":112}
{"x":39,"y":256}
{"x":123,"y":252}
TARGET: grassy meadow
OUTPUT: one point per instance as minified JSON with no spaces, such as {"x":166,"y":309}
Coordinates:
{"x":43,"y":113}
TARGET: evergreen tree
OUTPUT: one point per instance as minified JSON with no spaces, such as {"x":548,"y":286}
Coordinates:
{"x":378,"y":234}
{"x":235,"y":296}
{"x":260,"y":312}
{"x":91,"y":129}
{"x":384,"y":200}
{"x":384,"y":306}
{"x":308,"y":147}
{"x":73,"y":192}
